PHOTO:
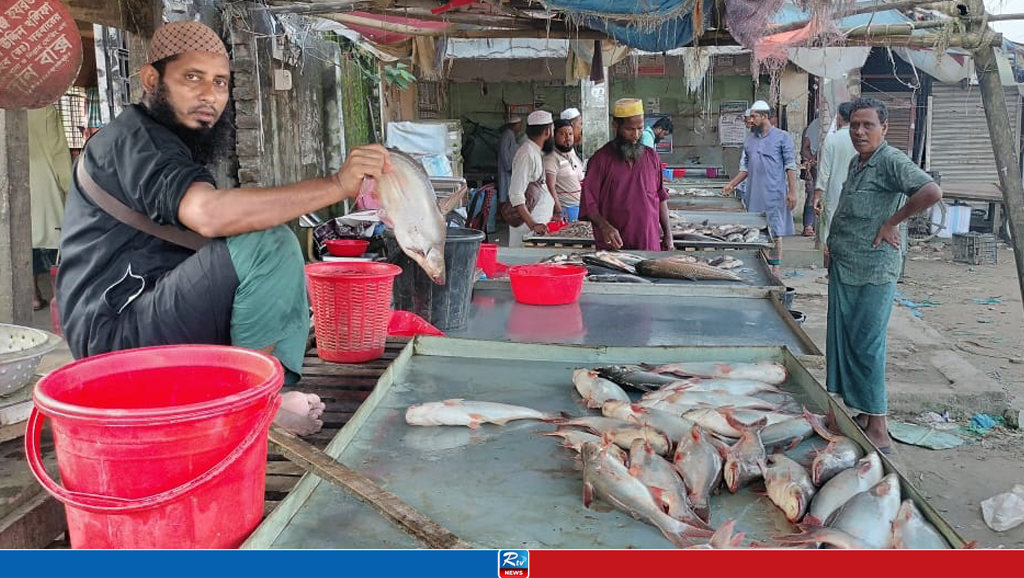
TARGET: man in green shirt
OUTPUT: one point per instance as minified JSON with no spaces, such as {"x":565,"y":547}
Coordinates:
{"x":883,"y":189}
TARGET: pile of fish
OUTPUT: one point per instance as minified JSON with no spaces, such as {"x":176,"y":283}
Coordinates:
{"x":710,"y":233}
{"x":576,"y":230}
{"x":698,"y":426}
{"x":622,"y":267}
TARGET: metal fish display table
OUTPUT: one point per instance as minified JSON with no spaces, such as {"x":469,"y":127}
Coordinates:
{"x":634,"y":315}
{"x":757,"y":281}
{"x":702,"y":203}
{"x":498,"y":486}
{"x":710,"y":218}
{"x":701,"y":196}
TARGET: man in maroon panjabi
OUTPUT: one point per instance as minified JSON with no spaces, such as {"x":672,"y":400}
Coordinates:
{"x":623,"y":193}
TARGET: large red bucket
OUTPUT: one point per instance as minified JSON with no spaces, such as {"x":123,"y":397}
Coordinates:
{"x":160,"y":447}
{"x":351,"y":308}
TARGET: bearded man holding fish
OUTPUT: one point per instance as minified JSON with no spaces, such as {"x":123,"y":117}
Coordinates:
{"x":154,"y":254}
{"x":624,"y":195}
{"x":866,"y":245}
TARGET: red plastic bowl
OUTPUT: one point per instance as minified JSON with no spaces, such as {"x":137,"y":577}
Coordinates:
{"x":556,"y":226}
{"x":547,"y":284}
{"x":346,"y":247}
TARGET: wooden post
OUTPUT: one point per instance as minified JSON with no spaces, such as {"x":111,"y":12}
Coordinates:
{"x":16,"y":282}
{"x":1007,"y":161}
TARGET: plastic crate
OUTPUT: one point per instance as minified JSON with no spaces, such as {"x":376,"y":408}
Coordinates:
{"x":975,"y":248}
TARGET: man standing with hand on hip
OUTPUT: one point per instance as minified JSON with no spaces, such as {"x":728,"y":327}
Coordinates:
{"x":866,"y":245}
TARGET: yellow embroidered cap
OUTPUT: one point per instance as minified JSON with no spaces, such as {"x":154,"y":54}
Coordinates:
{"x":627,"y":107}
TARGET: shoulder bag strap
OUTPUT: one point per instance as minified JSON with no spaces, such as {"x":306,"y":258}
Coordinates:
{"x":135,"y":219}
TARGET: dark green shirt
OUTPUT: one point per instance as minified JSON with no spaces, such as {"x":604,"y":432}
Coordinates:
{"x":872,"y":193}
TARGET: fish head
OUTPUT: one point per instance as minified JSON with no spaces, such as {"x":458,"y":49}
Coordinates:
{"x":731,"y":475}
{"x":433,"y":263}
{"x":794,"y":503}
{"x":906,"y":513}
{"x":889,"y":487}
{"x":869,"y":465}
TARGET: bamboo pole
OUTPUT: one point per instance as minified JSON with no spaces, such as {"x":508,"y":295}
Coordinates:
{"x":1007,"y":162}
{"x":462,"y":32}
{"x":902,"y":5}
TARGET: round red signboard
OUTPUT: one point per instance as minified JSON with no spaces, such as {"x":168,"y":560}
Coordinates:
{"x":40,"y":52}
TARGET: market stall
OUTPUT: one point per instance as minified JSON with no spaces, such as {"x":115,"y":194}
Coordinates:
{"x":499,"y":485}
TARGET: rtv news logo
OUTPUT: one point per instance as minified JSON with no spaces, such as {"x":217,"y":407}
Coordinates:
{"x":513,"y":563}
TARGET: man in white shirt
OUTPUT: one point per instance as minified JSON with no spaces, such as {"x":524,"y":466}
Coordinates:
{"x":527,"y":169}
{"x":574,"y":116}
{"x":836,"y":155}
{"x":563,"y":168}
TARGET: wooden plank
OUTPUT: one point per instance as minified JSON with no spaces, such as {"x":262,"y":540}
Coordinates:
{"x":15,"y":220}
{"x":35,"y":524}
{"x":284,"y":468}
{"x":426,"y":530}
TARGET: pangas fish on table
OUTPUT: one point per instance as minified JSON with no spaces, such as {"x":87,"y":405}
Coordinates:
{"x":595,"y":390}
{"x":841,"y":453}
{"x":679,"y":268}
{"x":622,"y":267}
{"x":843,"y":486}
{"x":789,"y":486}
{"x":745,"y":461}
{"x":863,"y":522}
{"x":661,"y":477}
{"x":910,"y":531}
{"x":409,"y":206}
{"x":605,"y":477}
{"x":766,"y":371}
{"x":673,"y":426}
{"x":699,"y":463}
{"x":460,"y":412}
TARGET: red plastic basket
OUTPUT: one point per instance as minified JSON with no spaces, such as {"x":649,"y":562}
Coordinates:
{"x":547,"y":284}
{"x":352,"y":307}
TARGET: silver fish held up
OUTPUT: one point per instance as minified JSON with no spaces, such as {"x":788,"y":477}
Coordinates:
{"x":409,"y":206}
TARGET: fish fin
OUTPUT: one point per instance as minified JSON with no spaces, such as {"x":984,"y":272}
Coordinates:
{"x":659,"y":498}
{"x":476,"y":419}
{"x":634,"y":470}
{"x":822,"y":534}
{"x":454,"y":401}
{"x":385,"y":218}
{"x":703,"y":512}
{"x":972,"y":545}
{"x":793,"y":444}
{"x":818,"y":425}
{"x":558,"y":418}
{"x":811,"y":521}
{"x":588,"y":494}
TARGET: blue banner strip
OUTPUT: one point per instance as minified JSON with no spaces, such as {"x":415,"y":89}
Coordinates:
{"x":249,"y":564}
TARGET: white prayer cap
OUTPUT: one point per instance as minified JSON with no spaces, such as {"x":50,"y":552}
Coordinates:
{"x":760,"y":106}
{"x":539,"y":118}
{"x":570,"y":113}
